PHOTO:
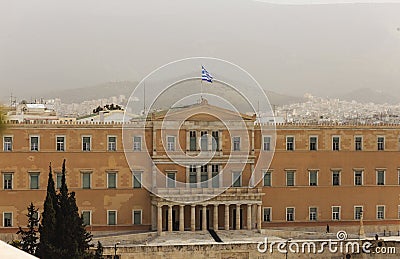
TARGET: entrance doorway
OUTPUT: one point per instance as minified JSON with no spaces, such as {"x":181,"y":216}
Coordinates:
{"x":175,"y":223}
{"x":234,"y":219}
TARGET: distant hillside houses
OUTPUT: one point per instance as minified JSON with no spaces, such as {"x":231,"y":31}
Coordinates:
{"x":32,"y":112}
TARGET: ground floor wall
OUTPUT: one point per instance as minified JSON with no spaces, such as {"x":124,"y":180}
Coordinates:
{"x":231,"y":251}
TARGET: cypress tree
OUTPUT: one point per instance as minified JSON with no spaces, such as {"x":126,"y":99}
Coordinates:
{"x":29,"y":238}
{"x":73,"y":237}
{"x":47,"y":229}
{"x":63,"y":224}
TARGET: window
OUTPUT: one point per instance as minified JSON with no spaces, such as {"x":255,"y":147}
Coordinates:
{"x":60,"y":143}
{"x":236,"y":143}
{"x":215,"y":176}
{"x":335,"y":178}
{"x":34,"y":181}
{"x":111,"y":180}
{"x":380,"y":212}
{"x":111,"y":217}
{"x":86,"y":180}
{"x":335,"y":212}
{"x":381,"y":143}
{"x":193,"y":176}
{"x":215,"y":140}
{"x":171,"y":180}
{"x":289,"y":178}
{"x":7,"y":143}
{"x":171,"y":143}
{"x":289,"y":214}
{"x":335,"y":143}
{"x":87,"y":217}
{"x":112,"y":143}
{"x":313,"y":214}
{"x":289,"y":143}
{"x":380,"y":177}
{"x":58,"y":180}
{"x":137,"y":143}
{"x":358,"y":210}
{"x":86,"y":143}
{"x":34,"y":143}
{"x":137,"y":179}
{"x":313,"y":178}
{"x":7,"y":219}
{"x":204,"y":141}
{"x":267,"y":178}
{"x":358,"y":178}
{"x":236,"y":179}
{"x":7,"y":181}
{"x":192,"y":140}
{"x":36,"y":217}
{"x":313,"y":143}
{"x":267,"y":214}
{"x":137,"y":217}
{"x":358,"y":143}
{"x":204,"y":176}
{"x":267,"y":143}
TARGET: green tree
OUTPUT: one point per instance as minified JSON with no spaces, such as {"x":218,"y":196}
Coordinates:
{"x":62,"y":233}
{"x":48,"y":228}
{"x":29,"y":237}
{"x":74,"y":241}
{"x":15,"y":243}
{"x":2,"y":118}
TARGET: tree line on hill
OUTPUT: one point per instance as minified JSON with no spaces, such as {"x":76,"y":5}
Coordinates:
{"x":107,"y":107}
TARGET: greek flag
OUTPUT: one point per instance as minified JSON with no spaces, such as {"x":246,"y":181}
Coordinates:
{"x":205,"y":75}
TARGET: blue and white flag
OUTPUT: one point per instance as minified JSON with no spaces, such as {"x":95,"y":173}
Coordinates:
{"x":205,"y":75}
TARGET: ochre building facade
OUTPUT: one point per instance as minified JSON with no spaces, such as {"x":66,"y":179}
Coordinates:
{"x":319,"y":174}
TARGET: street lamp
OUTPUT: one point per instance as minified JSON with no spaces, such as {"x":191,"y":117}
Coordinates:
{"x":287,"y":247}
{"x":115,"y":249}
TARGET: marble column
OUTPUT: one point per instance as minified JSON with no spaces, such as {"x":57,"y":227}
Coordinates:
{"x":237,"y":216}
{"x":169,"y":218}
{"x":159,"y":219}
{"x":215,"y":216}
{"x":226,"y":217}
{"x":259,"y":216}
{"x":249,"y":216}
{"x":193,"y":218}
{"x":181,"y":218}
{"x":254,"y":216}
{"x":204,"y":218}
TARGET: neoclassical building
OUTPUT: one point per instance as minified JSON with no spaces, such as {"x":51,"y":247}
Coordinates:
{"x":202,"y":166}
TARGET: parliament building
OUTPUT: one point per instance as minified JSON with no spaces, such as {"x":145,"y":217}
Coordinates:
{"x":299,"y":175}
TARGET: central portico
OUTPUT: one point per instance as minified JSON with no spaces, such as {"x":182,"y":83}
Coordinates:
{"x":234,"y":208}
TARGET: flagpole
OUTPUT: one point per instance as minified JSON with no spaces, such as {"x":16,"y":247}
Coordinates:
{"x":201,"y":91}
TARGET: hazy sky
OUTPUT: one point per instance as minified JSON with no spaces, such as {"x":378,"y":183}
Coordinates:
{"x":322,"y":49}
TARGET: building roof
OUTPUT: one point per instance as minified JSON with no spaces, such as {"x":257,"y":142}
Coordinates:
{"x":7,"y":251}
{"x":35,"y":106}
{"x":200,"y":108}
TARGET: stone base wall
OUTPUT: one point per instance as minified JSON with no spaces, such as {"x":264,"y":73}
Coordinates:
{"x":228,"y":251}
{"x":293,"y":232}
